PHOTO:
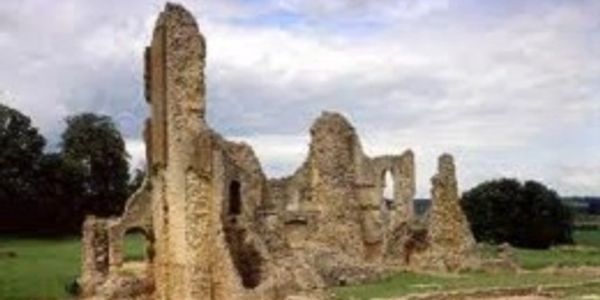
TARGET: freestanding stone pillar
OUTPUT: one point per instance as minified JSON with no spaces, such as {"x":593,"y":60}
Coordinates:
{"x":451,"y":239}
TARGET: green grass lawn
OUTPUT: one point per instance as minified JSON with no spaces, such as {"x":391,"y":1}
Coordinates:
{"x":43,"y":267}
{"x":560,"y":257}
{"x":587,"y":237}
{"x":40,"y":270}
{"x":586,"y":253}
{"x":407,"y":283}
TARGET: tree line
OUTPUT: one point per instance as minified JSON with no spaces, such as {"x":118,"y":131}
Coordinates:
{"x":51,"y":192}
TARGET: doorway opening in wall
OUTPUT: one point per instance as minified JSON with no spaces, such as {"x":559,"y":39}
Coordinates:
{"x":387,"y":197}
{"x":135,"y":245}
{"x":246,"y":258}
{"x":235,"y":198}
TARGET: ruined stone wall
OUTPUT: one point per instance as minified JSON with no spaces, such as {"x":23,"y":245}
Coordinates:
{"x":206,"y":190}
{"x":185,"y":168}
{"x":384,"y":218}
{"x":331,"y":176}
{"x":335,"y":198}
{"x":95,"y":255}
{"x":451,"y":243}
{"x":137,"y":215}
{"x":219,"y":229}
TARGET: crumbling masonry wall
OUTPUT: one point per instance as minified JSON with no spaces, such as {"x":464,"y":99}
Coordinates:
{"x":219,"y":229}
{"x":192,"y":260}
{"x":335,"y":198}
{"x":451,"y":243}
{"x":95,"y":265}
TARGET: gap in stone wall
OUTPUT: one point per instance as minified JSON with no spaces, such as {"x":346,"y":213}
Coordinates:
{"x":388,"y":189}
{"x":135,"y":245}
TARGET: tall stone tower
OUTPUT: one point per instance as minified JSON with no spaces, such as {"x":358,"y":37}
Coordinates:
{"x":191,"y":260}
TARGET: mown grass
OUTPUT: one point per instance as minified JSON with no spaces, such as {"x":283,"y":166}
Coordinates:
{"x":559,"y":257}
{"x":587,"y":238}
{"x":585,"y":253}
{"x":407,"y":283}
{"x":42,"y":268}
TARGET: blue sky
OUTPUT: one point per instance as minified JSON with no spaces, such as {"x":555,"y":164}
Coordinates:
{"x":511,"y":88}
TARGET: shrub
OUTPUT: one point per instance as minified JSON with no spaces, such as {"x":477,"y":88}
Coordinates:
{"x":525,"y":215}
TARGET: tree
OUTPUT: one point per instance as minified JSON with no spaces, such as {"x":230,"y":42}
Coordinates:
{"x":94,"y":144}
{"x":60,"y":189}
{"x":524,"y":215}
{"x":20,"y":153}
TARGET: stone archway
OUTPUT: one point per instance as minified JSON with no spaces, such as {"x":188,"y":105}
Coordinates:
{"x":136,"y":245}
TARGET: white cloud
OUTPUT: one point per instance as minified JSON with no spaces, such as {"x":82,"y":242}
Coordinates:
{"x":496,"y":92}
{"x":582,"y":178}
{"x":137,"y":153}
{"x":392,"y":9}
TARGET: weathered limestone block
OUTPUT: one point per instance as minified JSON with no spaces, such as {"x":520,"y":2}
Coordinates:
{"x":95,"y":255}
{"x":451,"y":241}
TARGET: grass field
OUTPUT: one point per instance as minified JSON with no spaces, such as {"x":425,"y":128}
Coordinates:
{"x":42,"y":268}
{"x":586,"y":253}
{"x":407,"y":283}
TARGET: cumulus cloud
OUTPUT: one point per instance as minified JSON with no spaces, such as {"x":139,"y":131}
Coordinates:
{"x":498,"y":91}
{"x":365,"y":10}
{"x":136,"y":148}
{"x":500,"y":86}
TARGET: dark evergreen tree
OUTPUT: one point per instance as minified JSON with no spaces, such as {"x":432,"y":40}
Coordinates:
{"x":20,"y":152}
{"x":524,"y":215}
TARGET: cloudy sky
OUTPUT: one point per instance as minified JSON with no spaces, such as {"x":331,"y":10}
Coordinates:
{"x":511,"y":88}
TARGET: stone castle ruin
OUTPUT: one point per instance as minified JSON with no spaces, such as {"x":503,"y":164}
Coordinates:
{"x":217,"y":228}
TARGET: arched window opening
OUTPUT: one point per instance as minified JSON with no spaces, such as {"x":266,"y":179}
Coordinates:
{"x":235,"y":198}
{"x":135,"y":245}
{"x":388,"y":189}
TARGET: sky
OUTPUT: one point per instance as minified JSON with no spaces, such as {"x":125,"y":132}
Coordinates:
{"x":510,"y":88}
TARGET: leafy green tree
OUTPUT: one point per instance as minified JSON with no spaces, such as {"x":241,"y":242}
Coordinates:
{"x":524,"y":215}
{"x":20,"y":153}
{"x":94,"y":144}
{"x":60,"y":188}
